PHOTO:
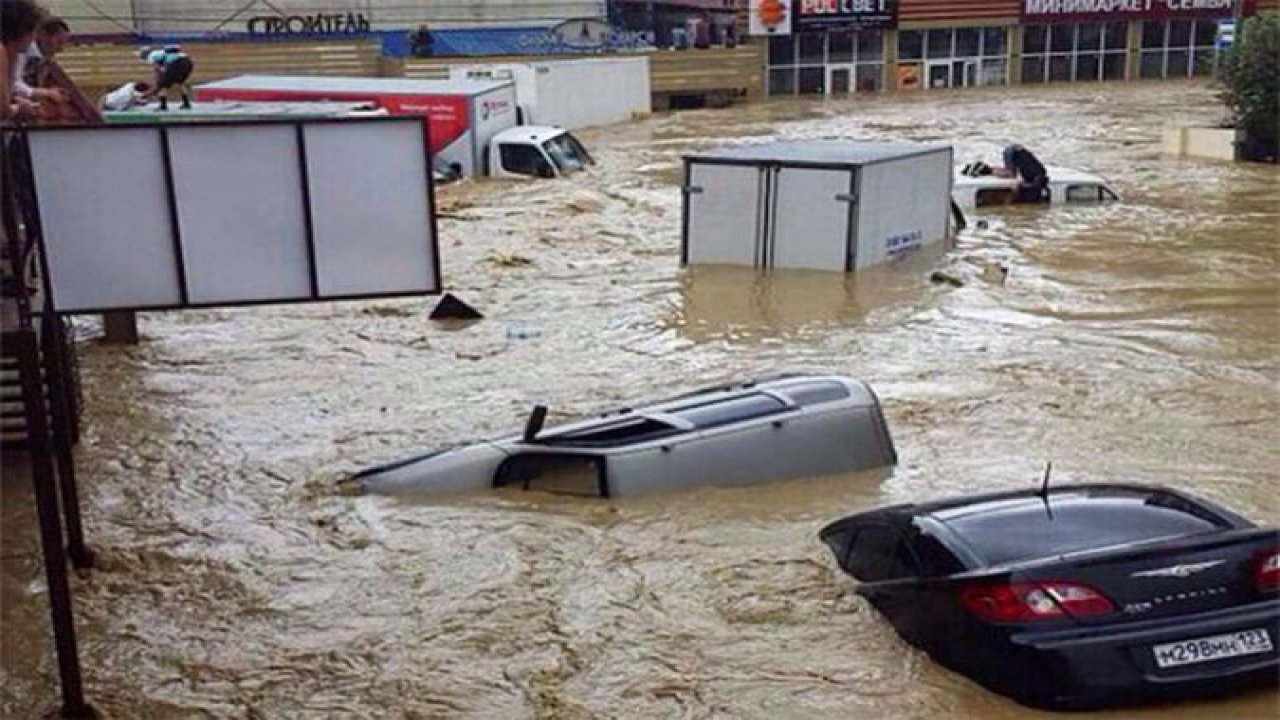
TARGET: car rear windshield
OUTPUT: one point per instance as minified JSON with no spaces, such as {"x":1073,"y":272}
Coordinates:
{"x":1023,"y":529}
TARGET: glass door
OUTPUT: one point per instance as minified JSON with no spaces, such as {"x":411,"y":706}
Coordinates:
{"x":839,"y":80}
{"x":938,"y":74}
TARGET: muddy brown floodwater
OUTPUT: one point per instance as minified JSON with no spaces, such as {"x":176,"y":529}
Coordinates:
{"x":1136,"y":341}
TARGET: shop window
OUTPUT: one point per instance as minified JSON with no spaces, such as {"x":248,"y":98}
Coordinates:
{"x":871,"y":46}
{"x":870,"y":77}
{"x":1033,"y":69}
{"x":993,"y":72}
{"x":968,"y":42}
{"x":811,"y":47}
{"x":993,"y":41}
{"x":1179,"y":33}
{"x":1113,"y":66}
{"x":1177,"y":64}
{"x":910,"y":45}
{"x":1035,"y":39}
{"x":1206,"y":32}
{"x":782,"y":81}
{"x":1062,"y":38}
{"x":812,"y":80}
{"x":1059,"y":68}
{"x":1087,"y":66}
{"x":939,"y":43}
{"x":1152,"y":64}
{"x":782,"y":50}
{"x":1152,"y":35}
{"x":1090,"y":36}
{"x":1116,"y":36}
{"x":1205,"y":61}
{"x":840,"y":47}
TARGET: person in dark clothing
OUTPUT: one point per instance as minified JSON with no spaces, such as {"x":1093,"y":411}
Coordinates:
{"x":171,"y":68}
{"x":1033,"y":179}
{"x":421,"y":42}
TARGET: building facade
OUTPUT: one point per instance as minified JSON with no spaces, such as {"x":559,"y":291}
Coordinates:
{"x":837,"y":47}
{"x":203,"y":16}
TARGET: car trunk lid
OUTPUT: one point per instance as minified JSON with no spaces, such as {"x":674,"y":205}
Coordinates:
{"x":1168,"y":578}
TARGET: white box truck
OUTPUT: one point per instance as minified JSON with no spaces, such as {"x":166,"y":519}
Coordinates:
{"x":817,"y":205}
{"x":572,"y":93}
{"x":465,"y":119}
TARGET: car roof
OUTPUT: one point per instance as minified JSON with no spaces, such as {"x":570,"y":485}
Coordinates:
{"x":1020,"y":526}
{"x":1056,"y":175}
{"x":535,"y":134}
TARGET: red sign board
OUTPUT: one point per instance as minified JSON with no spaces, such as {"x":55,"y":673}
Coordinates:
{"x":1102,"y":10}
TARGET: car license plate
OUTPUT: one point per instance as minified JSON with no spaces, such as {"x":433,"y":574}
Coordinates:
{"x":1216,"y":647}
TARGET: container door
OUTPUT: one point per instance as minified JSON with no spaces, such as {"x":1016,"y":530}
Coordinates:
{"x":811,"y":212}
{"x":723,"y":214}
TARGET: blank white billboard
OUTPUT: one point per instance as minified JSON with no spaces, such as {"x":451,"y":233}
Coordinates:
{"x":104,"y":212}
{"x":240,"y":212}
{"x":381,"y":243}
{"x":228,"y":213}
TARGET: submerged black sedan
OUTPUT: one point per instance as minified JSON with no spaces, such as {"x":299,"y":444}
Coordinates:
{"x":1077,"y":596}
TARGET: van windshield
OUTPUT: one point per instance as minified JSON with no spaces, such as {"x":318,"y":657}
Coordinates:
{"x":567,"y":153}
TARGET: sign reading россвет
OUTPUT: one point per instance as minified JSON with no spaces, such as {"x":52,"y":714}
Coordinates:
{"x":847,"y":13}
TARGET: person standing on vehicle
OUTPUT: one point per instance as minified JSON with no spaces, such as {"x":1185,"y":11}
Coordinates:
{"x":1033,"y":183}
{"x":171,"y":68}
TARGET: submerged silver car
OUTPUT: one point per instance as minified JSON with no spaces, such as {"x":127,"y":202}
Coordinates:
{"x":735,"y":434}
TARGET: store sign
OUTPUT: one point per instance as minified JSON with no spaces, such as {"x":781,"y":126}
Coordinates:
{"x":1087,"y":10}
{"x":846,"y":14}
{"x":770,"y":17}
{"x":318,"y":23}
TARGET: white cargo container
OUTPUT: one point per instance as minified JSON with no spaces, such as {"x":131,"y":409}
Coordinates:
{"x":463,"y":116}
{"x":572,"y":94}
{"x":818,"y":205}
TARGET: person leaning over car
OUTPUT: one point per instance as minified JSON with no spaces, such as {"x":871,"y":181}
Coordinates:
{"x":51,"y":36}
{"x":171,"y":69}
{"x":45,"y":75}
{"x":18,"y":22}
{"x":1033,"y":184}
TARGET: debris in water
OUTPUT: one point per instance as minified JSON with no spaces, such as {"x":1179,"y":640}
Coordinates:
{"x":941,"y":277}
{"x":451,"y":308}
{"x":508,"y":259}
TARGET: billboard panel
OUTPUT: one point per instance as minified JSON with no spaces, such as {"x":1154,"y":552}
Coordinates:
{"x":200,"y":215}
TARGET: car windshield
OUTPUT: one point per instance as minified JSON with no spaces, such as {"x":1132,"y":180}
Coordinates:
{"x":567,"y":153}
{"x":1021,"y":529}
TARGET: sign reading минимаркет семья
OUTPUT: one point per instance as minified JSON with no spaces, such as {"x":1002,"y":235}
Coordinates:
{"x":1051,"y":10}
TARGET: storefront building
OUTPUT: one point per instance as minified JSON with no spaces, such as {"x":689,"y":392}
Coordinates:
{"x":837,"y":47}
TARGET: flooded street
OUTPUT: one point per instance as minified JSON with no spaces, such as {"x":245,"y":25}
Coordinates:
{"x":1136,"y":341}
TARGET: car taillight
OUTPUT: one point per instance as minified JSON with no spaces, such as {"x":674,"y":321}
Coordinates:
{"x":1267,"y":576}
{"x":1018,"y":602}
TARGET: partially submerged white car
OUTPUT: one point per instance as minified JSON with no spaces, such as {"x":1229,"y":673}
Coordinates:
{"x":736,"y":434}
{"x":1066,"y":187}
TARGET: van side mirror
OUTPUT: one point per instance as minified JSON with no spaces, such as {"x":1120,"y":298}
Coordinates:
{"x":544,"y":169}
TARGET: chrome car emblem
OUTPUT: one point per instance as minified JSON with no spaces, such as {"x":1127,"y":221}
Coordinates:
{"x":1178,"y":571}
